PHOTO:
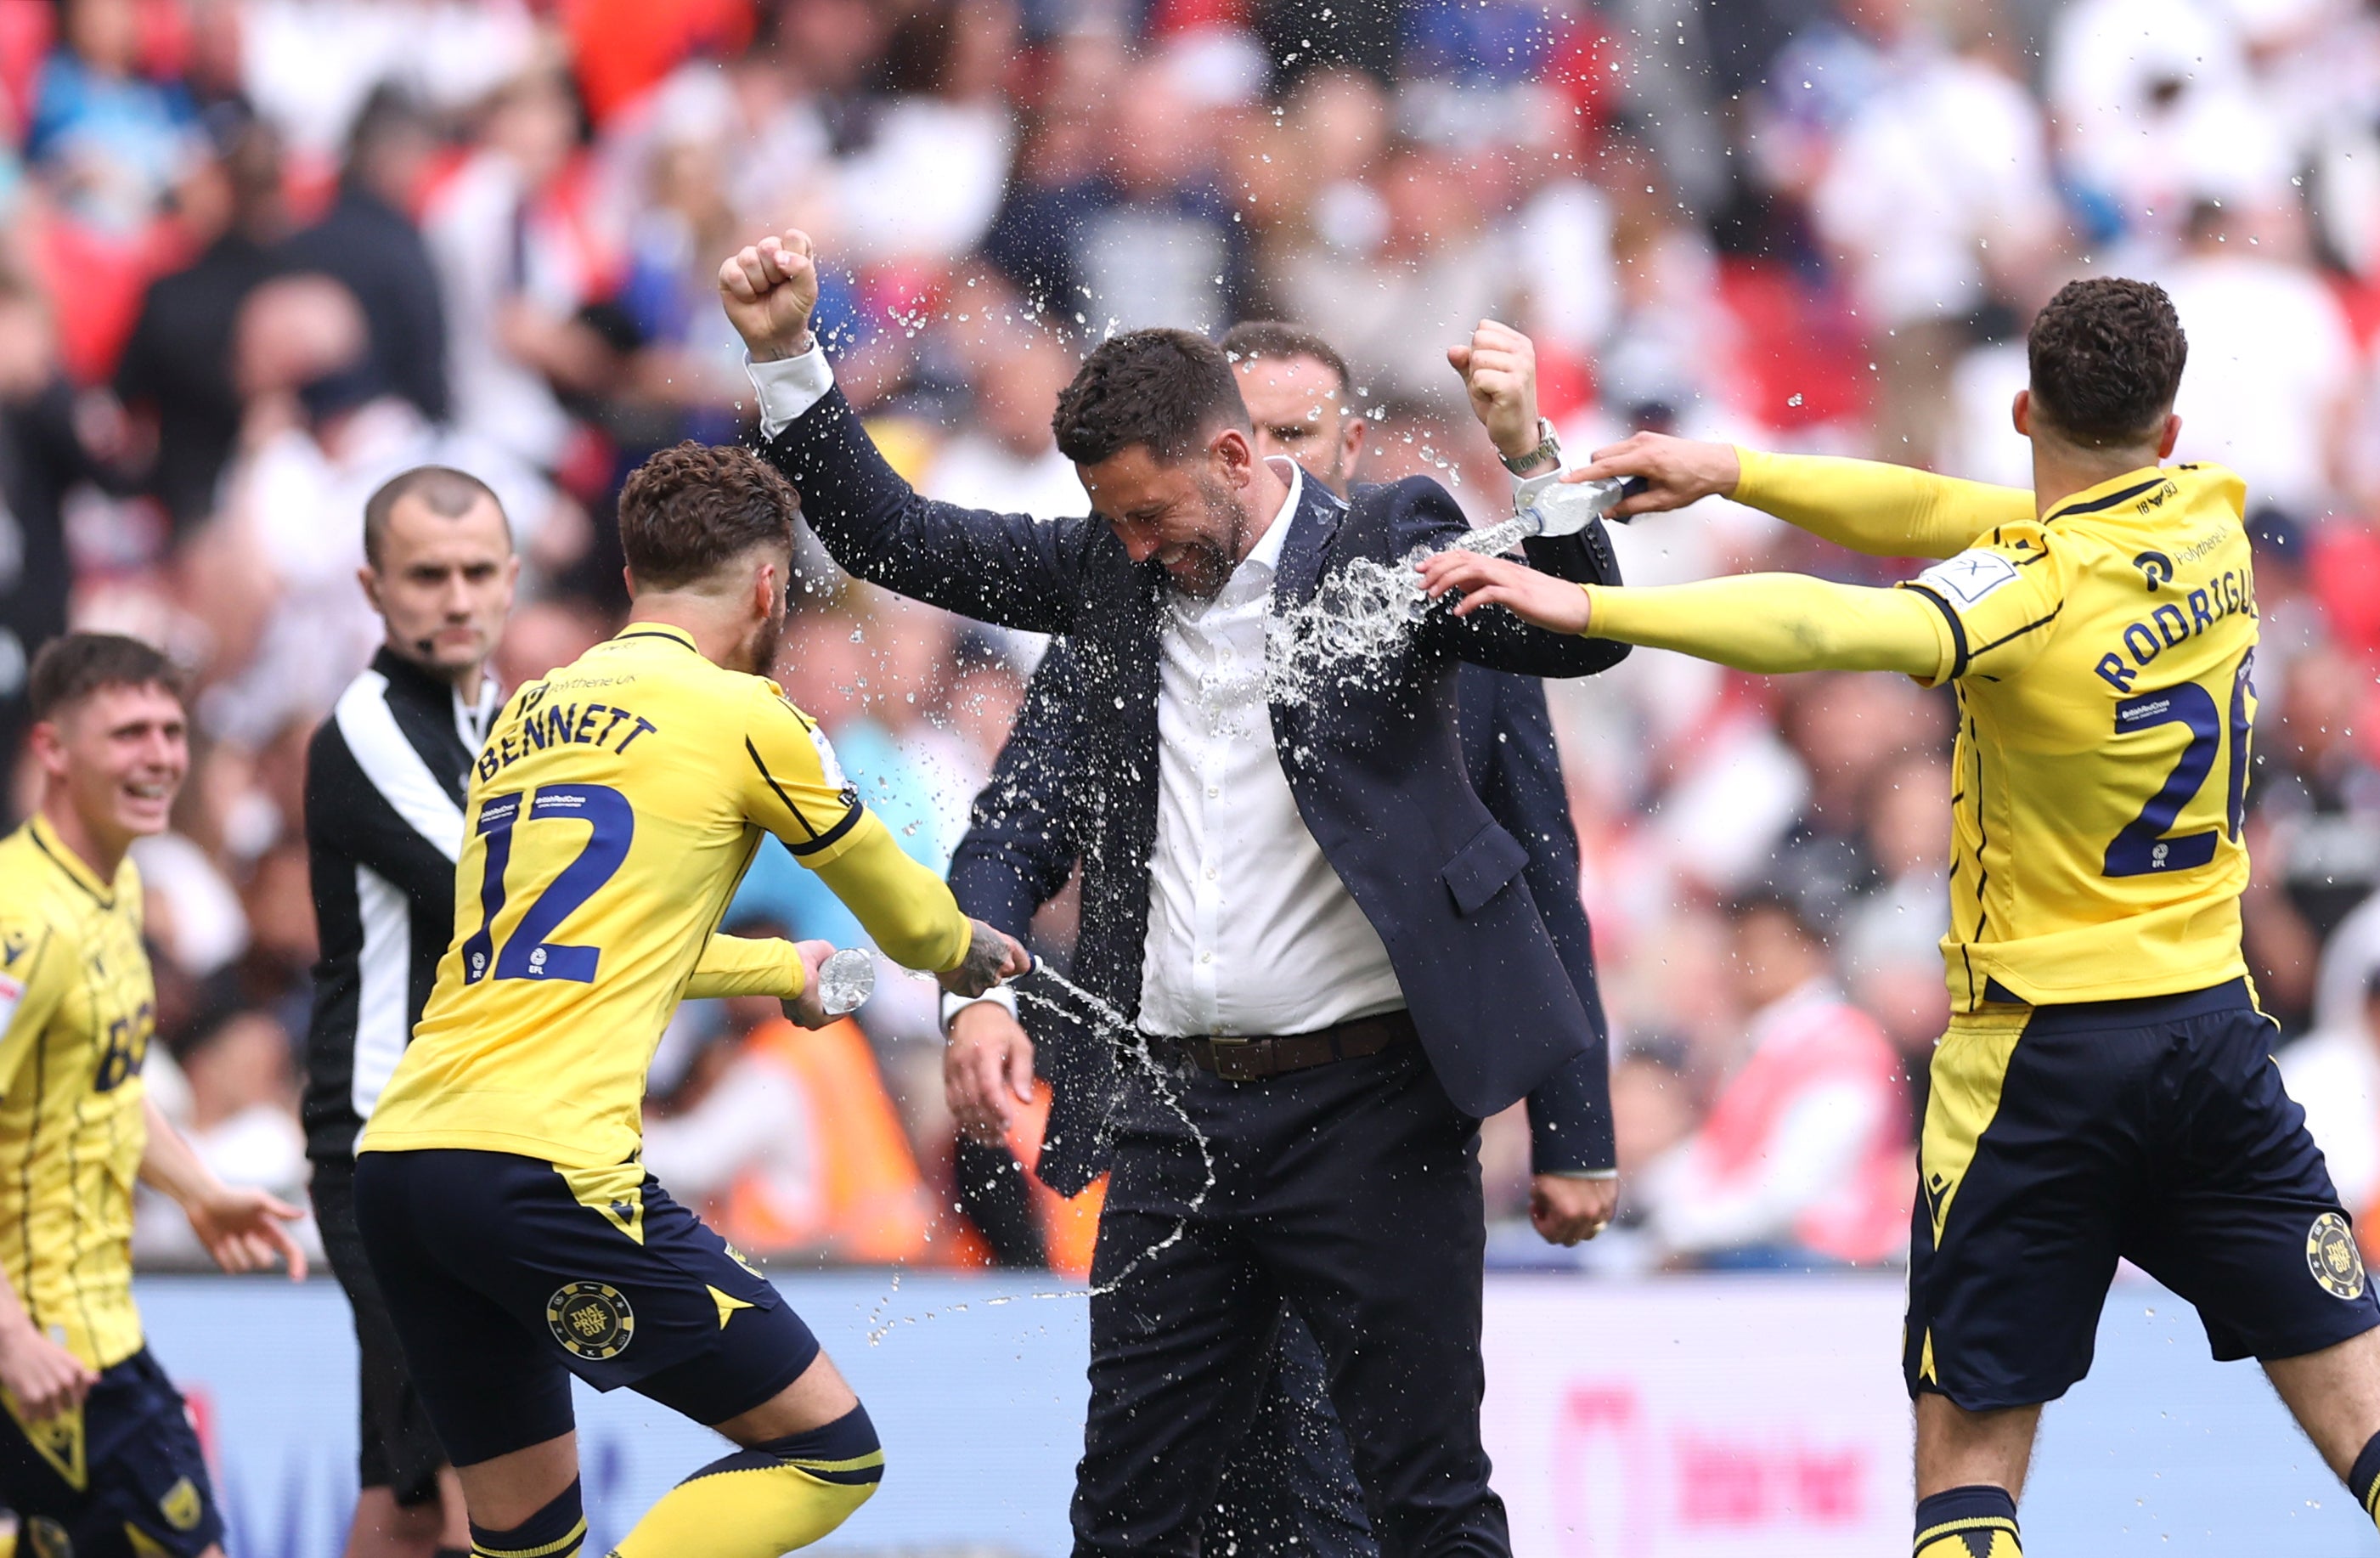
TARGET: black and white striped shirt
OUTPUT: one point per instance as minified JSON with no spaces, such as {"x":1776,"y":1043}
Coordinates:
{"x":384,"y":827}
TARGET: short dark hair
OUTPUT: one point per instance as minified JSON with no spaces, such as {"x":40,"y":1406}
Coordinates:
{"x":2105,"y":355}
{"x":1811,"y":906}
{"x":1165,"y":388}
{"x":449,"y":493}
{"x":72,"y":666}
{"x":390,"y":114}
{"x":1281,"y":341}
{"x":688,"y":511}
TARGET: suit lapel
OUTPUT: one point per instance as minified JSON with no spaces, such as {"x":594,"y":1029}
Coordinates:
{"x":1307,"y":546}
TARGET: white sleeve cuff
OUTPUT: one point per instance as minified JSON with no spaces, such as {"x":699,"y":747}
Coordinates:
{"x":998,"y":995}
{"x":1581,"y":1174}
{"x":788,"y":386}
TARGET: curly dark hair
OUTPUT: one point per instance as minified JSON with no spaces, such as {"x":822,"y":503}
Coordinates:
{"x":1165,"y":388}
{"x":2107,"y":357}
{"x":72,"y":666}
{"x":690,"y":511}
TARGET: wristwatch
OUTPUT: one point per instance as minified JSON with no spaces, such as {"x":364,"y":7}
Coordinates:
{"x":1548,"y":449}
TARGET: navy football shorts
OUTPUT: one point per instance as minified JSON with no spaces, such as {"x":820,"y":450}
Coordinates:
{"x":2060,"y":1138}
{"x":120,"y":1477}
{"x":505,"y":1275}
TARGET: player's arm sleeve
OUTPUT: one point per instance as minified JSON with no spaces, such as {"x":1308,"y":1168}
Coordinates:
{"x":1885,"y":510}
{"x":1771,"y":623}
{"x":747,"y":965}
{"x":33,"y":977}
{"x":793,"y":788}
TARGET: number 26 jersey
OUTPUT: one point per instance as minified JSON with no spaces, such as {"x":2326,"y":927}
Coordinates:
{"x":2104,"y":657}
{"x":609,"y":817}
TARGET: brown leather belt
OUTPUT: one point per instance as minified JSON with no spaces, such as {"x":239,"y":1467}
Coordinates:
{"x":1255,"y":1060}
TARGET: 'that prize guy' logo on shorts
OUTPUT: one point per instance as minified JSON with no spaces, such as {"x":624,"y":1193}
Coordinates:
{"x":2333,"y":1258}
{"x":593,"y":1322}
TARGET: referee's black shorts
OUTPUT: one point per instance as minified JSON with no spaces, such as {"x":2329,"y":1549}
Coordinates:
{"x":398,"y":1449}
{"x":2061,"y":1139}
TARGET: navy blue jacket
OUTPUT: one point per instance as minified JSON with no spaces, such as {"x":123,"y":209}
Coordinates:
{"x":1021,"y":848}
{"x":1375,"y":762}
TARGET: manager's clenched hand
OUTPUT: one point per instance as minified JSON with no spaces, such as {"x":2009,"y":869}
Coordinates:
{"x":769,"y":289}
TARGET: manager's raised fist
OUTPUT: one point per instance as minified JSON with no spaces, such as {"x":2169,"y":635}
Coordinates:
{"x":768,"y":289}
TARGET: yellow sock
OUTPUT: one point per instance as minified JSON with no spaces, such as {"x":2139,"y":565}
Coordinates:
{"x":767,"y":1500}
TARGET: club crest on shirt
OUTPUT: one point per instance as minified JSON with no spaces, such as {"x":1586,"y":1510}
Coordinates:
{"x":590,"y":1319}
{"x":2333,"y":1258}
{"x":182,"y":1506}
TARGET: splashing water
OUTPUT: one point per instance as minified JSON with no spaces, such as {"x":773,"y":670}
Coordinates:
{"x":1363,"y":615}
{"x":1107,"y":1020}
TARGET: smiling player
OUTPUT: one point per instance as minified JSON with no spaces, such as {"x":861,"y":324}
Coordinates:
{"x":96,"y":1453}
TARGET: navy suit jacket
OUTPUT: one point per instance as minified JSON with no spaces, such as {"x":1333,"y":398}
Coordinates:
{"x":1021,"y":848}
{"x":1375,"y":762}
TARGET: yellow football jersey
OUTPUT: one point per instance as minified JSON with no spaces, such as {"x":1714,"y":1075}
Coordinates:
{"x":77,"y":1009}
{"x":2104,"y":657}
{"x":609,"y":817}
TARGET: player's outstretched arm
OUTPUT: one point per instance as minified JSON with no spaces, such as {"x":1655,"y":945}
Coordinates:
{"x":1883,"y":510}
{"x":910,"y":913}
{"x":1765,"y":622}
{"x":747,"y":965}
{"x":241,"y":1227}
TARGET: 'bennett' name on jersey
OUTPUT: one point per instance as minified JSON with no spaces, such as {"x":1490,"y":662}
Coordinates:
{"x":2174,"y":621}
{"x":538,"y":722}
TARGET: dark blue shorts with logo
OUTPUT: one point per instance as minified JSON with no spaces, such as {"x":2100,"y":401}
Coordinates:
{"x":505,"y":1275}
{"x":120,"y":1478}
{"x":2061,"y":1139}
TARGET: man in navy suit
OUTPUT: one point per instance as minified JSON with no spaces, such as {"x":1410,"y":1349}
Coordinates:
{"x":1289,"y":1483}
{"x":1322,"y":944}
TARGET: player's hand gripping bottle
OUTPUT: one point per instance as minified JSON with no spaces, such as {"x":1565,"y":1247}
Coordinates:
{"x":1564,"y":508}
{"x":845,"y":981}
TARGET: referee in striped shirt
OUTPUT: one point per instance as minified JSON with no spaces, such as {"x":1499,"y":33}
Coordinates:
{"x":384,"y":826}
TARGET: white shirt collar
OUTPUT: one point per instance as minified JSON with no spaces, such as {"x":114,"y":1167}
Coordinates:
{"x":1266,"y":553}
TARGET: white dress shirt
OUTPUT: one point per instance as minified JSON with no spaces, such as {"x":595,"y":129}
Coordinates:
{"x":1250,"y":931}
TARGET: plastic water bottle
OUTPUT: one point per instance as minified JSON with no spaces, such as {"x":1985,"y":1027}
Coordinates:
{"x":845,"y":981}
{"x":1565,"y":508}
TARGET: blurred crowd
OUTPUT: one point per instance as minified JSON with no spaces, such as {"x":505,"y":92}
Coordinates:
{"x":260,"y":254}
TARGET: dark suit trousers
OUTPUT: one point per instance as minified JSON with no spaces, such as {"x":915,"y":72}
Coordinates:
{"x":1289,"y":1485}
{"x":1351,"y":1193}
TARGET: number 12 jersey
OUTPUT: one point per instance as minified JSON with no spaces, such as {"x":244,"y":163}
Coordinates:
{"x":609,"y":817}
{"x":2103,"y":656}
